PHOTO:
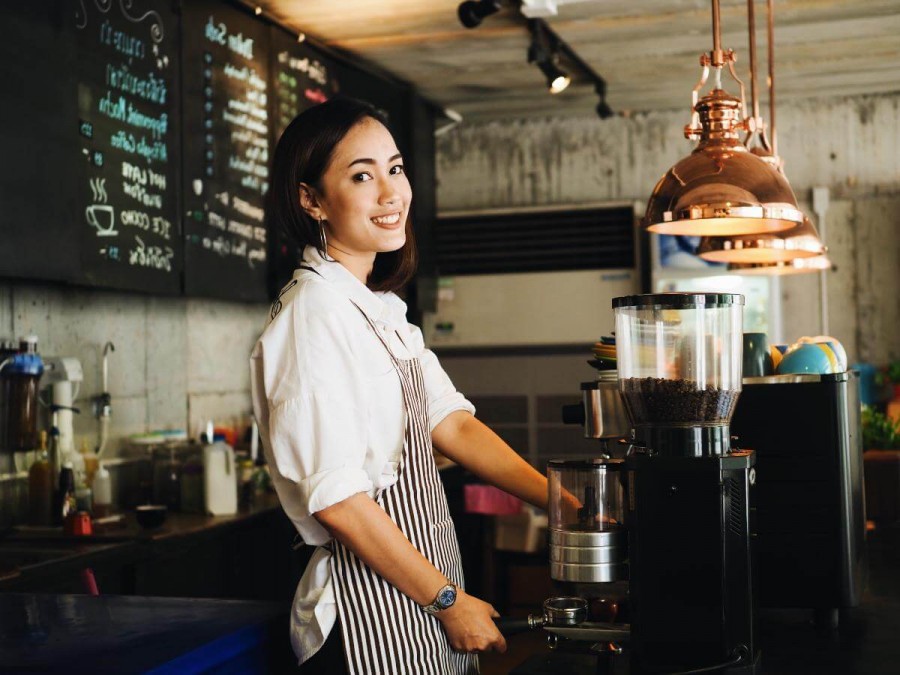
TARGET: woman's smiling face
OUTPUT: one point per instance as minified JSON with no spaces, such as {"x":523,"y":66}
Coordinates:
{"x":365,"y":194}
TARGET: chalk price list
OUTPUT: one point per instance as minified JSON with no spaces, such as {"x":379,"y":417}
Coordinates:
{"x":301,"y":81}
{"x":235,"y":174}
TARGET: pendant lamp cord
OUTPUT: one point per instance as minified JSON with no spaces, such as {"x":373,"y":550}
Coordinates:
{"x":770,"y":32}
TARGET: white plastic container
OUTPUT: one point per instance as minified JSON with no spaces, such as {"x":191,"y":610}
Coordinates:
{"x":102,"y":487}
{"x":219,"y":479}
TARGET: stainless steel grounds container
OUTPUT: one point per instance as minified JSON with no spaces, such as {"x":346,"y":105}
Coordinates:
{"x":604,"y":410}
{"x":588,"y":540}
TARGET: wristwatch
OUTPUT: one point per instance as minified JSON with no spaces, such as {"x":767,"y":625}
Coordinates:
{"x":443,"y":600}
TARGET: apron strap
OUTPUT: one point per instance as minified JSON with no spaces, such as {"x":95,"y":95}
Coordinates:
{"x":380,"y":337}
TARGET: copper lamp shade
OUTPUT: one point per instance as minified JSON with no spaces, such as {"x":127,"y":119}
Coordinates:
{"x":721,"y":188}
{"x":801,"y":241}
{"x":819,"y":263}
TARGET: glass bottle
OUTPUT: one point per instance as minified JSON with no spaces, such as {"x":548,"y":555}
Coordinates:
{"x":40,"y":487}
{"x":66,"y":494}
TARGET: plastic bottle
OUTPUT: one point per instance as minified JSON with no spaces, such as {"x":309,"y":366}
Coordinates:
{"x":102,"y":486}
{"x":40,"y":487}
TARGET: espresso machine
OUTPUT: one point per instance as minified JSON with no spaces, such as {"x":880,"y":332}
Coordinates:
{"x":655,"y":548}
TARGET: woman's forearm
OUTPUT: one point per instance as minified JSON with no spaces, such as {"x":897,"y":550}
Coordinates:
{"x":363,"y":527}
{"x":470,"y":443}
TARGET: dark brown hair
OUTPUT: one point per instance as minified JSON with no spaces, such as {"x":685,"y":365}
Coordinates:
{"x":301,"y":156}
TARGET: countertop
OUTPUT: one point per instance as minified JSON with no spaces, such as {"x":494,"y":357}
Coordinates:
{"x":26,"y":551}
{"x":865,"y":642}
{"x":128,"y":634}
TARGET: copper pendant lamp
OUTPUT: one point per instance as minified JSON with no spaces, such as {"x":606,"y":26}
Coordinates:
{"x":721,"y":188}
{"x":820,"y":263}
{"x":801,"y":241}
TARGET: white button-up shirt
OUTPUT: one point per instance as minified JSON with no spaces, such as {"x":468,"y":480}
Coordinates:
{"x":330,"y":411}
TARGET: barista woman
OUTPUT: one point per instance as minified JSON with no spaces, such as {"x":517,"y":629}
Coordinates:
{"x":349,"y":404}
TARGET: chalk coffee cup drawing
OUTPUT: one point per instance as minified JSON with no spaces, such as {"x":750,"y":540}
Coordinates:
{"x":102,"y":217}
{"x":757,"y":357}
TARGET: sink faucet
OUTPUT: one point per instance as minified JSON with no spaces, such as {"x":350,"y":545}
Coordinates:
{"x":103,"y":401}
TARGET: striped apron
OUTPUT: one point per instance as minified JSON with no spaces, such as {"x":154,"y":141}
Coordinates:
{"x":384,"y":632}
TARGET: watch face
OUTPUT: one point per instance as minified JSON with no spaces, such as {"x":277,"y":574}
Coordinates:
{"x":447,"y":597}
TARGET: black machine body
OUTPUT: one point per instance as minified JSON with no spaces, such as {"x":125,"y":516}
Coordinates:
{"x":691,"y":595}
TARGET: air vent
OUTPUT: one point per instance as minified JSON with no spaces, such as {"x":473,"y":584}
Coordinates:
{"x":535,"y":241}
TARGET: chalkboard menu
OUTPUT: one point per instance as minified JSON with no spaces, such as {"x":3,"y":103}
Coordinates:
{"x":301,"y":78}
{"x":90,"y":132}
{"x":226,"y":151}
{"x":127,"y":92}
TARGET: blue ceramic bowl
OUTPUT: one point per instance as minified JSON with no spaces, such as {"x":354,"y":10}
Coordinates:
{"x":835,"y":346}
{"x":811,"y":358}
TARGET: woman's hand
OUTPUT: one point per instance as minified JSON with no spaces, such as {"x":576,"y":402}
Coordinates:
{"x":469,"y":625}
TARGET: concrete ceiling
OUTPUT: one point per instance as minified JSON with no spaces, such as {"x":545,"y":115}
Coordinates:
{"x":646,"y":50}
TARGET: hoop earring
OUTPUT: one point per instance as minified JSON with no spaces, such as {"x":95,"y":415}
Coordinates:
{"x":323,"y":240}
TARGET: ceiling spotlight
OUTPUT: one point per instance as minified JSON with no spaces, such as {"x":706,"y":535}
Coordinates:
{"x":472,"y":12}
{"x":301,"y":37}
{"x":544,"y":54}
{"x":257,"y":10}
{"x":454,"y":117}
{"x":557,"y":80}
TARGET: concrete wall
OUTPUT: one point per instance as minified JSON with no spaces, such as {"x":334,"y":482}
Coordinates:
{"x":850,"y":145}
{"x":176,"y":362}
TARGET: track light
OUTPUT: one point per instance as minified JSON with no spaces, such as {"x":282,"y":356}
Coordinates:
{"x":543,"y":52}
{"x":472,"y":12}
{"x":455,"y":119}
{"x":603,"y":109}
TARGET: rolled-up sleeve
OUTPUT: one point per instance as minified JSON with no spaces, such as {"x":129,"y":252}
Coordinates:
{"x":443,"y":398}
{"x":319,"y":443}
{"x":315,"y":409}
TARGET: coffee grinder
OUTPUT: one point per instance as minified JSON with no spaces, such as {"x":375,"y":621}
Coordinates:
{"x":691,"y":595}
{"x":665,"y":532}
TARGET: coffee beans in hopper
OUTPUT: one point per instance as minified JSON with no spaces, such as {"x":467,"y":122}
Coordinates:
{"x":655,"y":400}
